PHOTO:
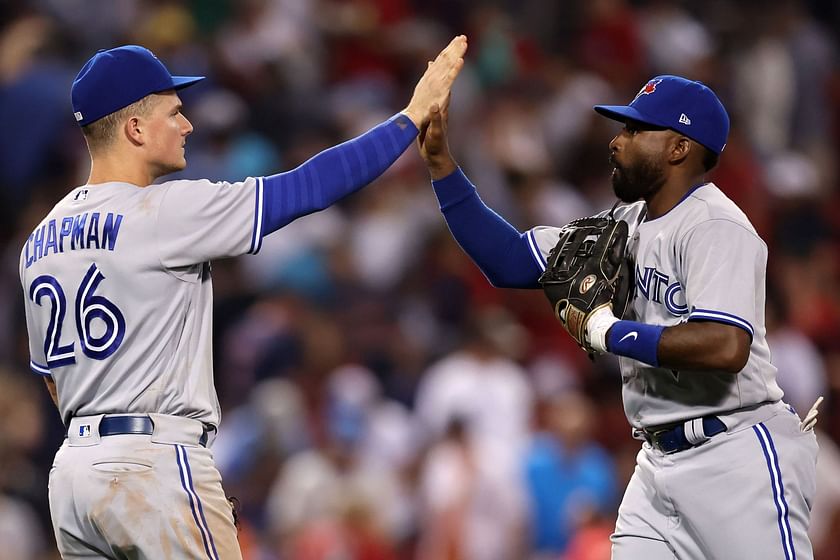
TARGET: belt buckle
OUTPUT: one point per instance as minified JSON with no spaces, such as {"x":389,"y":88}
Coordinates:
{"x":654,"y":437}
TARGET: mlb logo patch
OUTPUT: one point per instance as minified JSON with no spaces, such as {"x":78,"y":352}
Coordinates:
{"x":84,"y":430}
{"x":81,"y":195}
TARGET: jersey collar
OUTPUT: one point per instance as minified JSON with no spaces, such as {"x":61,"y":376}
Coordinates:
{"x":688,"y":193}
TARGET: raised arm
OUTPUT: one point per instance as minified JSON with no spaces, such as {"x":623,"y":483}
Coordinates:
{"x":346,"y":168}
{"x":499,"y":249}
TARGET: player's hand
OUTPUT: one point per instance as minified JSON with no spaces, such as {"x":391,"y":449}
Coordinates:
{"x":434,"y":145}
{"x":433,"y":87}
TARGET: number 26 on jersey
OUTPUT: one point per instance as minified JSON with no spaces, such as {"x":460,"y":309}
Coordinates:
{"x":88,"y":307}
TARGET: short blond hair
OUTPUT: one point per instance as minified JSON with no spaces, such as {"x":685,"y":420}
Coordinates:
{"x":101,"y":133}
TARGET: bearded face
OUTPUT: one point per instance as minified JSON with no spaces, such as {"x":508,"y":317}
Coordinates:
{"x":637,"y":154}
{"x":637,"y":178}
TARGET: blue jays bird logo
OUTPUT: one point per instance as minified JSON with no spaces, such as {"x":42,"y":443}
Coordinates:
{"x":648,"y":88}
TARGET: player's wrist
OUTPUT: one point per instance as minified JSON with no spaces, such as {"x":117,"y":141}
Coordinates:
{"x":441,"y":166}
{"x":635,"y":340}
{"x":414,"y":116}
{"x":597,"y":327}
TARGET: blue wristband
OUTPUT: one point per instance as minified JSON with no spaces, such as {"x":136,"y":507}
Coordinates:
{"x":635,"y":340}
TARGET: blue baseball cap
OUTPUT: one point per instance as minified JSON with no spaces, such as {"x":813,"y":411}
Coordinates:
{"x":116,"y":78}
{"x":688,"y":107}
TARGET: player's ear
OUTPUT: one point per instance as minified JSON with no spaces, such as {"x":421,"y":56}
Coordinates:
{"x":133,"y":128}
{"x":680,"y":149}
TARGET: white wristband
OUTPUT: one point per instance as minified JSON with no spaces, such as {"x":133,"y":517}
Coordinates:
{"x":597,"y":326}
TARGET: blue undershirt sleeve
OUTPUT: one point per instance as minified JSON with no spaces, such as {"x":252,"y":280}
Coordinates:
{"x":334,"y":173}
{"x":500,"y":250}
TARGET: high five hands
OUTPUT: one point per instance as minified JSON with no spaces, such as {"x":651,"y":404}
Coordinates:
{"x":432,"y":90}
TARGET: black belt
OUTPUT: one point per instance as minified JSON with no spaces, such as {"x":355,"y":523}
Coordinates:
{"x":138,"y":425}
{"x":673,"y":438}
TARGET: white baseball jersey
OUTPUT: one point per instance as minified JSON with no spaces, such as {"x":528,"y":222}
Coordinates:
{"x":701,"y":261}
{"x":118,"y":294}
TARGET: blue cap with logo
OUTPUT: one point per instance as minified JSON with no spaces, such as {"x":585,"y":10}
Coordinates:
{"x":688,"y":107}
{"x":116,"y":78}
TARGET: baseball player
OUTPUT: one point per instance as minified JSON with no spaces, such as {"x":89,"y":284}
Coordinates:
{"x":726,"y":470}
{"x":118,"y":299}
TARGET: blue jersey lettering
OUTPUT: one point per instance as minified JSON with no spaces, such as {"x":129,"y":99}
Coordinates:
{"x":643,"y":282}
{"x":84,"y":233}
{"x":29,"y":258}
{"x":650,"y":286}
{"x":66,"y":230}
{"x":110,"y":231}
{"x":39,"y":242}
{"x":659,"y":280}
{"x":52,"y":240}
{"x":671,"y":303}
{"x":78,"y":231}
{"x":93,"y":231}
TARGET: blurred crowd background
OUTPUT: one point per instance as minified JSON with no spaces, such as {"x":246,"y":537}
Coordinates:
{"x":380,"y":400}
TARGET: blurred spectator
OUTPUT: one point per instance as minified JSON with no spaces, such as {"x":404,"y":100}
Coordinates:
{"x":470,"y":507}
{"x":571,"y":479}
{"x":475,"y":405}
{"x":814,"y":56}
{"x":331,"y":500}
{"x":224,"y":149}
{"x":515,"y":137}
{"x":267,"y":36}
{"x":675,"y":41}
{"x":802,"y":376}
{"x":480,"y":385}
{"x":592,"y":540}
{"x":610,"y":42}
{"x":273,"y":420}
{"x":390,"y":226}
{"x":21,"y":431}
{"x":825,"y":513}
{"x":801,"y":372}
{"x":20,"y":532}
{"x":34,"y":91}
{"x":743,"y":176}
{"x":111,"y":22}
{"x":496,"y":57}
{"x":567,"y":112}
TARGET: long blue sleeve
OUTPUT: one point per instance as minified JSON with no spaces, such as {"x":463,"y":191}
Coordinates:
{"x":334,"y":173}
{"x":499,"y":250}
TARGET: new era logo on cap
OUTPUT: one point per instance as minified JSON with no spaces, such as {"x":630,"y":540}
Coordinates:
{"x":667,"y":101}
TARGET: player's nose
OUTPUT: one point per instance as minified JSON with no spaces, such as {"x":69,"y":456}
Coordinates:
{"x":186,"y":127}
